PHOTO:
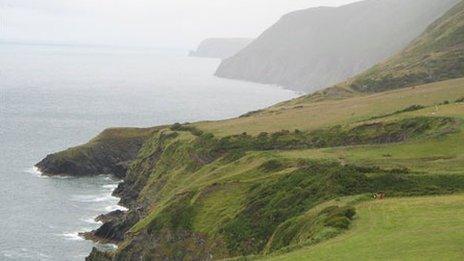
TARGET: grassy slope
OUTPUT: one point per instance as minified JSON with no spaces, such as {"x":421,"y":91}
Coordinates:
{"x":438,"y":54}
{"x":218,"y":195}
{"x":433,"y":155}
{"x":308,"y":115}
{"x":199,"y":196}
{"x":421,"y":228}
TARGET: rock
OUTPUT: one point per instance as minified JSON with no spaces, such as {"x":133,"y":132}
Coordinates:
{"x":97,"y":255}
{"x":111,"y":152}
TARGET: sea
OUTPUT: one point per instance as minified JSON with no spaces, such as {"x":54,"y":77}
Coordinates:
{"x":57,"y":96}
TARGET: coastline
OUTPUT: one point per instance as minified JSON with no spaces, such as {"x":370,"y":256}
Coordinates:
{"x":101,"y":243}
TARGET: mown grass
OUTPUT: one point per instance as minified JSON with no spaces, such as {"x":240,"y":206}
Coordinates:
{"x":421,"y":228}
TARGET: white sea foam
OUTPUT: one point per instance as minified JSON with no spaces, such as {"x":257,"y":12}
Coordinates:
{"x":73,"y":236}
{"x":36,"y":172}
{"x":107,"y":247}
{"x":91,"y":221}
{"x":110,"y":186}
{"x":115,"y":207}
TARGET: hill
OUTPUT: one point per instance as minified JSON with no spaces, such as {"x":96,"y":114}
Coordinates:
{"x":220,"y":47}
{"x":110,"y":152}
{"x":315,"y":48}
{"x":397,"y":225}
{"x":296,"y":180}
{"x":437,"y":55}
{"x":343,"y":174}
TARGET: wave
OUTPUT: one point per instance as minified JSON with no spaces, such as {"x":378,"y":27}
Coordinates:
{"x":110,"y":186}
{"x":115,"y":207}
{"x":107,"y":247}
{"x":73,"y":236}
{"x":91,"y":221}
{"x":36,"y":172}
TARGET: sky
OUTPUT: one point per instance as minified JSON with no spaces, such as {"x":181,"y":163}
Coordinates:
{"x":155,"y":23}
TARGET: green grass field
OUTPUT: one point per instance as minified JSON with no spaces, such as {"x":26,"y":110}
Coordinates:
{"x":419,"y":228}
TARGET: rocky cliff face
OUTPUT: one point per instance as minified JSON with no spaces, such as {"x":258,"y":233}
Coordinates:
{"x":315,"y":48}
{"x":220,"y":47}
{"x":110,"y":152}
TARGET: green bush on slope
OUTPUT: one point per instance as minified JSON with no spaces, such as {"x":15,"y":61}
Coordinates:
{"x":368,"y":133}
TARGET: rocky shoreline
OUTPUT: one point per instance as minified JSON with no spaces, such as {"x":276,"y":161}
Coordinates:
{"x":111,"y":153}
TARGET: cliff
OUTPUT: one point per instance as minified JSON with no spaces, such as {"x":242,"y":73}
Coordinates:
{"x":109,"y":153}
{"x":299,"y":176}
{"x":220,"y":47}
{"x":436,"y":55}
{"x":209,"y":191}
{"x":196,"y":193}
{"x":315,"y":48}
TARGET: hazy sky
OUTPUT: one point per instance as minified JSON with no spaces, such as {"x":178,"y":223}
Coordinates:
{"x":159,"y":23}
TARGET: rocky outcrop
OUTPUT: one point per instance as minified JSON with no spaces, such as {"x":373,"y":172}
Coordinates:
{"x":115,"y":225}
{"x":97,"y":255}
{"x":110,"y":152}
{"x":315,"y":48}
{"x":220,"y":47}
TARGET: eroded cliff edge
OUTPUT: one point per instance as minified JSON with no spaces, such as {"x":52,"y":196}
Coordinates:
{"x":193,"y":195}
{"x":110,"y":152}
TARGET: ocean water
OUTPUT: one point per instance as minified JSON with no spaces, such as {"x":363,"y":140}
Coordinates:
{"x":54,"y":97}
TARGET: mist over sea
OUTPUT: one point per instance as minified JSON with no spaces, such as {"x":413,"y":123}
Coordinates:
{"x":54,"y":97}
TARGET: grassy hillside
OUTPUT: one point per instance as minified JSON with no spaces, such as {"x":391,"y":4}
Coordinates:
{"x":312,"y":49}
{"x":306,"y":114}
{"x":419,"y":228}
{"x":296,"y":181}
{"x":437,"y":55}
{"x":209,"y":190}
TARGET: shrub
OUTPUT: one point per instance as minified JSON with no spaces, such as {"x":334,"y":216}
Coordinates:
{"x":414,"y":107}
{"x":271,"y":165}
{"x":340,"y":222}
{"x":176,"y":126}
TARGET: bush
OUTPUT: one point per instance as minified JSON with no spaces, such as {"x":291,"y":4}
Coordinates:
{"x":340,"y":222}
{"x":176,"y":126}
{"x":414,"y":107}
{"x":271,"y":165}
{"x":348,"y":212}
